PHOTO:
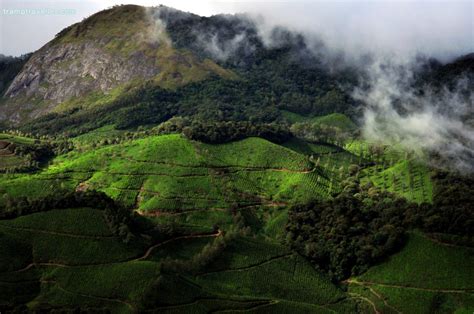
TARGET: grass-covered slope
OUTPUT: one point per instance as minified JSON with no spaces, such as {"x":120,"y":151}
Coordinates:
{"x":69,"y":258}
{"x":425,"y":277}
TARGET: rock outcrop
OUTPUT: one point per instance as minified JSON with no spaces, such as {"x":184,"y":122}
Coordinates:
{"x":113,"y":48}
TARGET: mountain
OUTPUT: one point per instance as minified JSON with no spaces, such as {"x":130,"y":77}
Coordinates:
{"x":146,"y":60}
{"x":160,"y":62}
{"x":102,"y":56}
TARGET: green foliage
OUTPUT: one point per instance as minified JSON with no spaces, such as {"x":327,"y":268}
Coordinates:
{"x":394,"y":169}
{"x":23,"y":153}
{"x":453,"y":201}
{"x":221,"y":132}
{"x":345,"y":235}
{"x":249,"y":268}
{"x":337,"y":120}
{"x":184,"y":176}
{"x":276,"y":78}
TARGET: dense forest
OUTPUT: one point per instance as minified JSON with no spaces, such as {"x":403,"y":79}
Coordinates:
{"x":362,"y":226}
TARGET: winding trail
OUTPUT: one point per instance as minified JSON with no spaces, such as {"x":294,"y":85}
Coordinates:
{"x":375,"y":293}
{"x":253,"y":308}
{"x":437,"y":241}
{"x":150,"y":249}
{"x":372,"y":304}
{"x":247,"y":168}
{"x":158,"y":212}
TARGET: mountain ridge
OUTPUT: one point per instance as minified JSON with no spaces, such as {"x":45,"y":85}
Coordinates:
{"x":110,"y":49}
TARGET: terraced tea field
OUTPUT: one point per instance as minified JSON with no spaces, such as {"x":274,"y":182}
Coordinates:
{"x":69,"y":258}
{"x":425,"y":277}
{"x":170,"y":177}
{"x":66,"y":258}
{"x":394,"y":170}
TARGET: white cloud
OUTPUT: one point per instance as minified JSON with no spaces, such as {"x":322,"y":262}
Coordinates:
{"x":441,"y":28}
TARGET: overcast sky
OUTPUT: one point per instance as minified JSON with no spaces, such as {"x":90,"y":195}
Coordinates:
{"x":439,"y":28}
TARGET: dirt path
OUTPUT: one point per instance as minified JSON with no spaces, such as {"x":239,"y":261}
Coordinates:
{"x":150,"y":249}
{"x":134,"y":259}
{"x":246,"y":168}
{"x":437,"y":241}
{"x":375,"y":293}
{"x":162,"y":212}
{"x":159,"y":212}
{"x":253,"y":308}
{"x":177,"y":306}
{"x":358,"y":296}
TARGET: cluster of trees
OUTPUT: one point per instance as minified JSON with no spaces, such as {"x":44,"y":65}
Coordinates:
{"x":35,"y":154}
{"x":208,"y":253}
{"x":14,"y":206}
{"x":222,"y":132}
{"x":26,"y":166}
{"x":362,"y":225}
{"x":436,"y":76}
{"x":345,"y":235}
{"x":120,"y":220}
{"x":40,"y":151}
{"x":320,"y":133}
{"x":452,"y":210}
{"x":172,"y":269}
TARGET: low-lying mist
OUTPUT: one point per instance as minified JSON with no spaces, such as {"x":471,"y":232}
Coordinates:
{"x":437,"y":120}
{"x":387,"y":44}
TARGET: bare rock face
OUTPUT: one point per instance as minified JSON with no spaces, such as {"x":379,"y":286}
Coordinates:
{"x":76,"y":69}
{"x":80,"y":61}
{"x":57,"y":73}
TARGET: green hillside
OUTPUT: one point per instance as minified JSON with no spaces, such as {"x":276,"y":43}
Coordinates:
{"x":208,"y":231}
{"x":66,"y":264}
{"x":170,"y":177}
{"x":157,"y":161}
{"x":425,"y":277}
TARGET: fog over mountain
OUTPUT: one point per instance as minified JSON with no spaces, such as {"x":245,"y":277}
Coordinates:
{"x":441,"y":29}
{"x":385,"y":40}
{"x":388,"y":42}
